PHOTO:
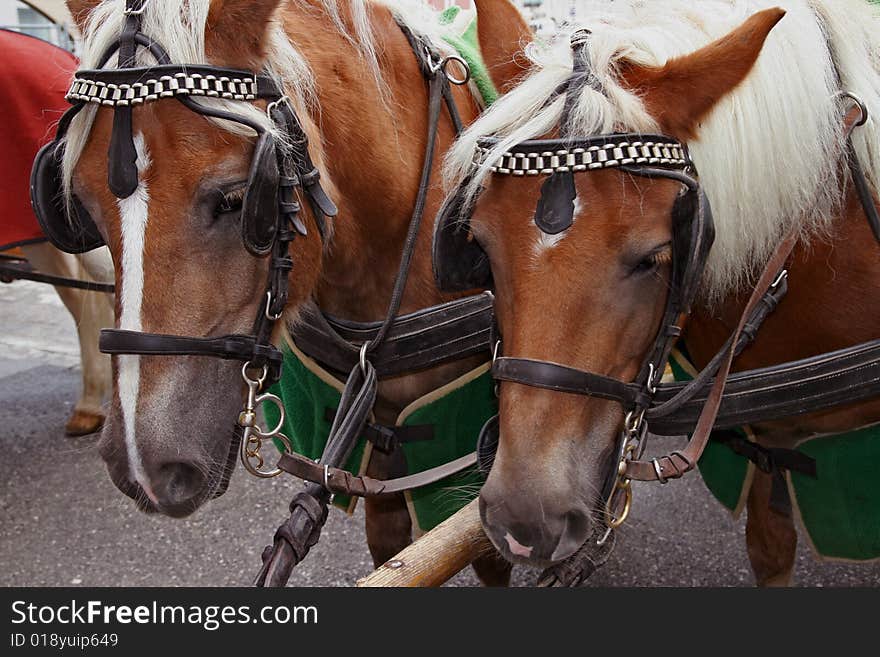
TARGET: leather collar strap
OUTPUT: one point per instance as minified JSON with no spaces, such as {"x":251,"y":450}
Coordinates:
{"x":813,"y":384}
{"x":418,"y":341}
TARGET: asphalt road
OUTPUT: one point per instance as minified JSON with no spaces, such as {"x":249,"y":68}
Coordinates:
{"x":62,"y":522}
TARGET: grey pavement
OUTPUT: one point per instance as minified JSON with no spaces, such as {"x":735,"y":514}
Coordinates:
{"x":62,"y":522}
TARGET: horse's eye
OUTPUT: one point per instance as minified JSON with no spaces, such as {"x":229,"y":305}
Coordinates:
{"x":653,"y":261}
{"x":227,"y":201}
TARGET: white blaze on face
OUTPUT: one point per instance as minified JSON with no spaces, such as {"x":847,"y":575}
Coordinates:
{"x":133,"y":213}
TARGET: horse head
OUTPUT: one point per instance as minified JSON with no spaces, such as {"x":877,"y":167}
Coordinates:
{"x":584,"y":279}
{"x":178,"y":235}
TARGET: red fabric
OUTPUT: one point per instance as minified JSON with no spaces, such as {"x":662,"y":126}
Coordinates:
{"x":34,"y":76}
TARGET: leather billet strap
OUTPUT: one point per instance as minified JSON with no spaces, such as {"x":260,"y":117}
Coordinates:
{"x":342,"y":482}
{"x":418,"y":341}
{"x":676,"y":464}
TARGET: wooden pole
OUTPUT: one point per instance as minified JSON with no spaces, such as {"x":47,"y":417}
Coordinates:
{"x":438,"y":555}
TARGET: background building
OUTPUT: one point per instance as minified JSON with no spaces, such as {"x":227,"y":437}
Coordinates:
{"x":49,"y":19}
{"x":543,"y":15}
{"x":45,"y":19}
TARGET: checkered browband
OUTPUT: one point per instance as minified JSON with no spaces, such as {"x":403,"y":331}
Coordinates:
{"x":124,"y":87}
{"x":545,"y":157}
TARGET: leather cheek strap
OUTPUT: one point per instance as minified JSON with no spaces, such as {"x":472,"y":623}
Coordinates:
{"x":676,"y":464}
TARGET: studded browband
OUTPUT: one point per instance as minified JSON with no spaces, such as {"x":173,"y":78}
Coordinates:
{"x":133,"y":86}
{"x":544,"y":157}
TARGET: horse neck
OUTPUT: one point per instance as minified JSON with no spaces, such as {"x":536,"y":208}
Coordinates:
{"x":373,"y":152}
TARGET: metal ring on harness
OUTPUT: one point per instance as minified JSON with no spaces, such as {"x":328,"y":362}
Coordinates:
{"x":264,"y":373}
{"x":136,"y":12}
{"x":363,"y":357}
{"x":273,"y":318}
{"x":444,"y":65}
{"x":614,"y":522}
{"x":863,"y":109}
{"x":275,"y":432}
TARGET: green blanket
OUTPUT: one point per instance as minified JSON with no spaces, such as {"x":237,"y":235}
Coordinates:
{"x":460,"y":31}
{"x":839,"y":510}
{"x":456,"y":412}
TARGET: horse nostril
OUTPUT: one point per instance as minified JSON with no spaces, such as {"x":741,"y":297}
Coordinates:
{"x":575,"y":532}
{"x":178,"y":486}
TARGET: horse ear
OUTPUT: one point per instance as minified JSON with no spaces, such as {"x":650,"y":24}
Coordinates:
{"x":681,"y":93}
{"x":503,"y":33}
{"x":236,"y":32}
{"x":80,"y":10}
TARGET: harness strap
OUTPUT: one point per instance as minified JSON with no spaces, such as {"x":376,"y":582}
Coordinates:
{"x":767,"y":305}
{"x":122,"y":173}
{"x":12,"y":269}
{"x":767,"y":459}
{"x":227,"y":347}
{"x":418,"y":341}
{"x":847,"y":376}
{"x":863,"y":189}
{"x":560,"y":378}
{"x":342,"y":482}
{"x":676,"y":464}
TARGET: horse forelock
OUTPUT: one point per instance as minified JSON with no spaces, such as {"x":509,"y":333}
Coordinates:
{"x":768,"y":154}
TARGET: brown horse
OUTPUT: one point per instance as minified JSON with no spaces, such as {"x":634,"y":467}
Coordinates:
{"x":761,"y":113}
{"x":180,"y":264}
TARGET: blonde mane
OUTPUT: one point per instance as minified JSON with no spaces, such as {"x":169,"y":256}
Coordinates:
{"x":768,"y":155}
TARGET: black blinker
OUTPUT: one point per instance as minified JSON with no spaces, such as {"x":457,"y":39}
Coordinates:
{"x":555,"y":211}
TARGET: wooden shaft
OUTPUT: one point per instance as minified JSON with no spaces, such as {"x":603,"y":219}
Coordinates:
{"x":438,"y":555}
